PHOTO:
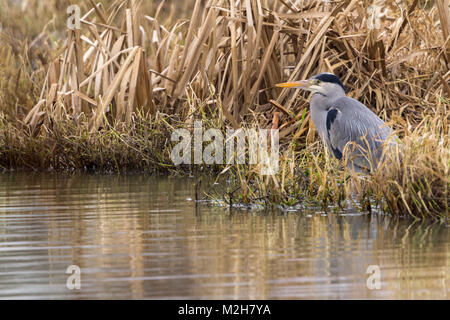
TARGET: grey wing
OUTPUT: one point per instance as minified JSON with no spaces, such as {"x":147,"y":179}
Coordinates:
{"x":350,"y":121}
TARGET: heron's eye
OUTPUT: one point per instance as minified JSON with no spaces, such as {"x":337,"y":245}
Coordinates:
{"x":318,"y":81}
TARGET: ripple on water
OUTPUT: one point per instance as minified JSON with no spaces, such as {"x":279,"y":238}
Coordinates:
{"x":142,"y":237}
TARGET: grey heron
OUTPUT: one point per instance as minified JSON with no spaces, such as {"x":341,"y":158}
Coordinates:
{"x":345,"y":125}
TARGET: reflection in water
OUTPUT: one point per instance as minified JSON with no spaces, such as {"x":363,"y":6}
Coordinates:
{"x":140,"y":237}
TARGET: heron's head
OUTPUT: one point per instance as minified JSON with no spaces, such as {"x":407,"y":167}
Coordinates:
{"x":326,"y":84}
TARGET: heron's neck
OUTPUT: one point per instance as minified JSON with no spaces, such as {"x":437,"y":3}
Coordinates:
{"x":319,"y":100}
{"x":323,"y":101}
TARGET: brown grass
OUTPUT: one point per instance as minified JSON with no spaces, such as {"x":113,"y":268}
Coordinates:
{"x":123,"y":59}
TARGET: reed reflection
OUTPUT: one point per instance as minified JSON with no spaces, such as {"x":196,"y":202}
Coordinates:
{"x":140,"y":237}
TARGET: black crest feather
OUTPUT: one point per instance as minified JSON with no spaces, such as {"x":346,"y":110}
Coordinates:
{"x":329,"y":77}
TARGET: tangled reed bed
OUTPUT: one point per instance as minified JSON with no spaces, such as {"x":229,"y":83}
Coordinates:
{"x":229,"y":56}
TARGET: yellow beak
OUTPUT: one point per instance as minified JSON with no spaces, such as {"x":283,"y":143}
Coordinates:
{"x":294,"y":84}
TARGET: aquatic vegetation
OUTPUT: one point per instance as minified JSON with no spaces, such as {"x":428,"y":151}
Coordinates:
{"x":108,"y":95}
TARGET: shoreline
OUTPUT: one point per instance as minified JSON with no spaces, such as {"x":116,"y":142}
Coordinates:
{"x":68,"y":102}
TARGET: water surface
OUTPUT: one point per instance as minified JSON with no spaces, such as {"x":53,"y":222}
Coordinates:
{"x":140,"y":237}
